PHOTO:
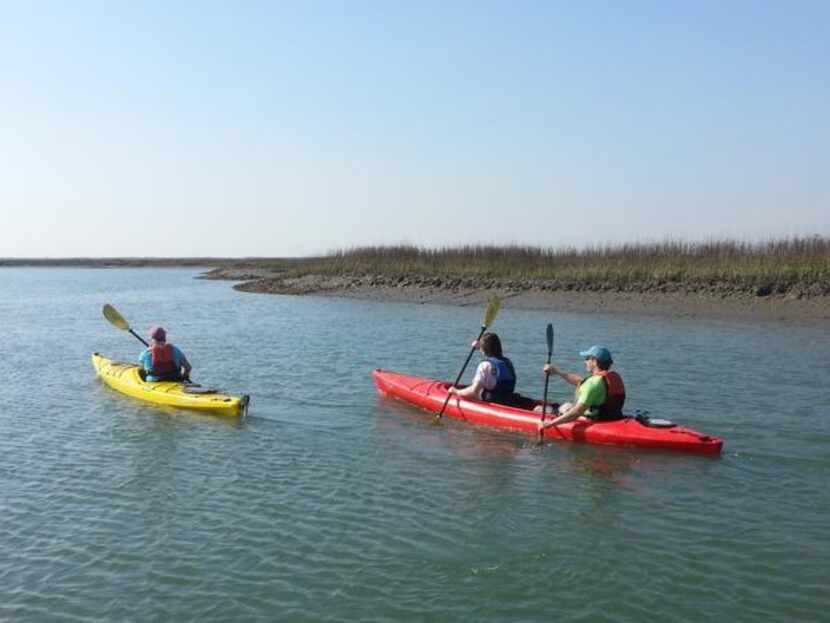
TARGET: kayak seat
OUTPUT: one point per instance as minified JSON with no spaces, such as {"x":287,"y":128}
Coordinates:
{"x":519,"y":402}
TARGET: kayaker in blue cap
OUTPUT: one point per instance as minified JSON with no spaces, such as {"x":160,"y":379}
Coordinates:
{"x":162,"y":361}
{"x":495,"y":378}
{"x":599,"y":396}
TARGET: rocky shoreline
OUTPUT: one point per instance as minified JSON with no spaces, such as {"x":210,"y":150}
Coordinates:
{"x":709,"y":300}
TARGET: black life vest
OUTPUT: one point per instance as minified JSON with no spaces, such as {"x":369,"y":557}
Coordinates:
{"x":502,"y":393}
{"x":611,"y":409}
{"x":163,"y":364}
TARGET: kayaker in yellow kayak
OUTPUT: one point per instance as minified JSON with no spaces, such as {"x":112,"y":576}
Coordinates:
{"x":599,"y":396}
{"x":495,"y":377}
{"x":162,"y":361}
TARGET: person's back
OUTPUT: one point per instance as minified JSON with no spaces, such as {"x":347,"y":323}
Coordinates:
{"x":162,"y":361}
{"x":504,"y":374}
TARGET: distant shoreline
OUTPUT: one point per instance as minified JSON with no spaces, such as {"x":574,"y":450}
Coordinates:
{"x":118,"y":262}
{"x":774,"y":300}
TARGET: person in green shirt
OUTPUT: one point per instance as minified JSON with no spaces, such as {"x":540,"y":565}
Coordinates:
{"x":591,"y":392}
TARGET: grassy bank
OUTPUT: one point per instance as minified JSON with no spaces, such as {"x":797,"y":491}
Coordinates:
{"x":800,"y":265}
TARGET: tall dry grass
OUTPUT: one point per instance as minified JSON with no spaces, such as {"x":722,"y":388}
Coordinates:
{"x":782,"y":263}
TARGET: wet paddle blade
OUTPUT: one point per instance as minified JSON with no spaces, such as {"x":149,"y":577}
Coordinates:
{"x":116,"y":319}
{"x":492,"y":311}
{"x":550,"y":339}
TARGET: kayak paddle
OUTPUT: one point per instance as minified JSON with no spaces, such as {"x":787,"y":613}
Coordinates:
{"x":117,"y":320}
{"x":549,"y":336}
{"x":489,"y":317}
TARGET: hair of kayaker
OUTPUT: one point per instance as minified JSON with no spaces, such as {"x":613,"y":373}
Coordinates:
{"x":603,"y":365}
{"x":491,"y":345}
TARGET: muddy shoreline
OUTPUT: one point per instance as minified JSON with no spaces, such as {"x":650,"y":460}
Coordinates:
{"x":673,"y":300}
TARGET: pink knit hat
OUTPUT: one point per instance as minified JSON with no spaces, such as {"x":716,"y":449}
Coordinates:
{"x":158,"y":334}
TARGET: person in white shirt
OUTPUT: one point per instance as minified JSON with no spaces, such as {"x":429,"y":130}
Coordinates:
{"x":495,"y":377}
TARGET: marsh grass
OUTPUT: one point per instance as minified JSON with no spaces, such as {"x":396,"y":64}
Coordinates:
{"x":777,"y":264}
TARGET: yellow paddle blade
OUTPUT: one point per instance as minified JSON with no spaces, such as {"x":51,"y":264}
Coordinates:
{"x":492,"y":311}
{"x":111,"y":314}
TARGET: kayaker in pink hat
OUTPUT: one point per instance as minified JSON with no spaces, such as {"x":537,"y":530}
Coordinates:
{"x":599,"y":396}
{"x":162,"y":361}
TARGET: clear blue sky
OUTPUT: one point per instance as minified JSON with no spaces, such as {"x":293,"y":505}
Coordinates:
{"x":282,"y":129}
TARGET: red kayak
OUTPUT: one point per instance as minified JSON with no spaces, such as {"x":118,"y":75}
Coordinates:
{"x":430,"y":394}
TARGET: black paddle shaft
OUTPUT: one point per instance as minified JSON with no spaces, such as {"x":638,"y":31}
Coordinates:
{"x":547,"y":376}
{"x":139,"y":338}
{"x":460,"y":374}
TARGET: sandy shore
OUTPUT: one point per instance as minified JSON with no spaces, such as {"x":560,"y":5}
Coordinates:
{"x":673,"y":302}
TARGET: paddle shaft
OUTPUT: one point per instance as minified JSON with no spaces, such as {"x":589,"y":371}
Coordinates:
{"x":460,"y":374}
{"x":117,"y":320}
{"x":549,"y":338}
{"x":139,"y":338}
{"x":545,"y":397}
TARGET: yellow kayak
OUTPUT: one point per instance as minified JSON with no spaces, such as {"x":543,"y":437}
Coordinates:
{"x":124,"y":377}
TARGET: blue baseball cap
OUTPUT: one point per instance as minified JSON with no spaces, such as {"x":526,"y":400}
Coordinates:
{"x":600,"y":353}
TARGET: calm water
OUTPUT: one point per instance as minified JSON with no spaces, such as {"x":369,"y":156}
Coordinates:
{"x":329,"y":503}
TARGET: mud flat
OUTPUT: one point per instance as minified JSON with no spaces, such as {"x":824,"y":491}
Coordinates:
{"x":676,"y":300}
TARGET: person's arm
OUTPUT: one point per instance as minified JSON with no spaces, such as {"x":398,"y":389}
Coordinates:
{"x":570,"y":377}
{"x":182,"y":362}
{"x":475,"y":388}
{"x":571,"y":414}
{"x":471,"y":391}
{"x":144,"y":360}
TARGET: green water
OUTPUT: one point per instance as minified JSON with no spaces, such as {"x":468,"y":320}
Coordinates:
{"x":331,"y":504}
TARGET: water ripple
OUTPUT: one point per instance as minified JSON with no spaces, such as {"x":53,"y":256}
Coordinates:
{"x":329,"y":504}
